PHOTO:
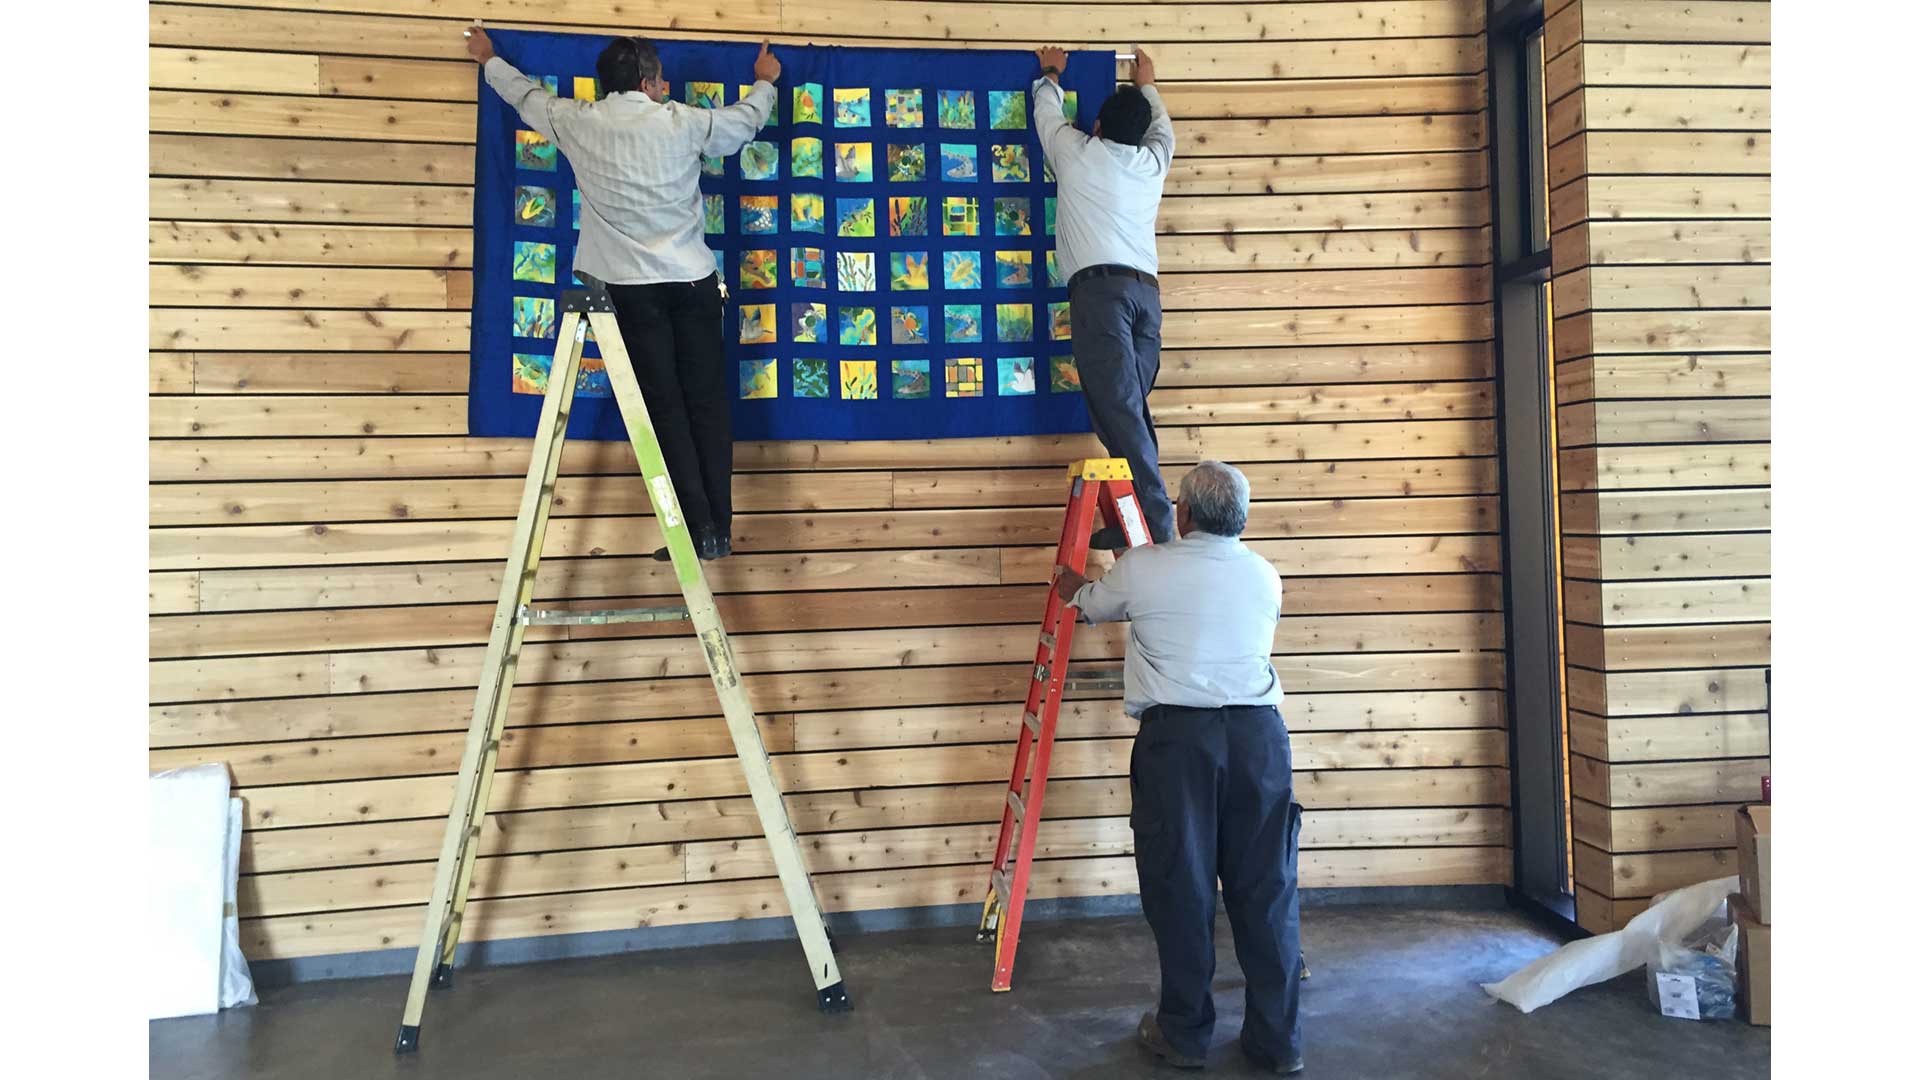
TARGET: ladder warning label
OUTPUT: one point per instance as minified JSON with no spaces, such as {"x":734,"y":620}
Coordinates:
{"x":1130,"y":517}
{"x":663,"y":503}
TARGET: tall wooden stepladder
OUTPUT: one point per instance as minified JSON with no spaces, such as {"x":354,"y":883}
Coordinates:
{"x":453,"y":875}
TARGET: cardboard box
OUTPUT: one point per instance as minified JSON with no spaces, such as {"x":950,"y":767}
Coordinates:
{"x":1754,"y":828}
{"x":1754,"y":964}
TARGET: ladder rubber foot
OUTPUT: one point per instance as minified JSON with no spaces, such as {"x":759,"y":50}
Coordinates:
{"x":409,"y":1039}
{"x":834,"y":999}
{"x":442,"y":977}
{"x":986,"y":935}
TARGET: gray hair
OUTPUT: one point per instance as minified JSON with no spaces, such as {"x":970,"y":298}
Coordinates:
{"x":1216,"y":497}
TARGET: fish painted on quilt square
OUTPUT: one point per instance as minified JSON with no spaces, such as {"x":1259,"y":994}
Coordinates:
{"x":852,"y":107}
{"x":533,"y":206}
{"x":809,"y":322}
{"x":912,"y":379}
{"x":959,"y":161}
{"x":773,"y":114}
{"x":1060,"y":320}
{"x":966,"y":377}
{"x":531,"y":150}
{"x":906,"y":163}
{"x":706,"y":95}
{"x":1012,"y":217}
{"x":1016,"y":376}
{"x":962,"y":269}
{"x":859,"y":380}
{"x":962,"y":323}
{"x":907,"y":215}
{"x":806,"y":103}
{"x":909,"y":270}
{"x":859,"y":326}
{"x":532,"y":317}
{"x":855,"y":217}
{"x":1013,"y":322}
{"x":811,"y":379}
{"x":1007,"y":110}
{"x":809,"y":157}
{"x":760,"y":161}
{"x":956,"y":109}
{"x":910,"y":326}
{"x":853,"y":162}
{"x":807,"y":267}
{"x":759,"y":269}
{"x":856,"y":271}
{"x":1065,"y":375}
{"x":1012,"y":268}
{"x":809,"y":212}
{"x":759,"y":380}
{"x":1055,"y":279}
{"x":961,"y":216}
{"x":904,"y":109}
{"x":1010,"y":164}
{"x":534,"y":262}
{"x":759,"y":214}
{"x":757,"y":325}
{"x":714,"y":208}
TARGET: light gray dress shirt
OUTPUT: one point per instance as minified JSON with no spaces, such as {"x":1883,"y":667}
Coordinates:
{"x":636,"y":162}
{"x":1109,"y":194}
{"x":1204,"y":609}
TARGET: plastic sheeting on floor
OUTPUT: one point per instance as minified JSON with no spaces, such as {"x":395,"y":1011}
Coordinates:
{"x":193,"y":960}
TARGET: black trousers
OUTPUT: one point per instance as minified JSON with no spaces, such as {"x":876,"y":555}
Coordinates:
{"x":674,"y":332}
{"x":1116,"y":346}
{"x":1213,"y":798}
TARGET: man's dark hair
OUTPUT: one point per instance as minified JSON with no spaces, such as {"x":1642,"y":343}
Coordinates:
{"x":626,"y":63}
{"x":1125,"y":116}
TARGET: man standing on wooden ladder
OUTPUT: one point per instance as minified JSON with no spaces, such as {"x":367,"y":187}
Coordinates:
{"x":636,"y":160}
{"x":1109,"y":199}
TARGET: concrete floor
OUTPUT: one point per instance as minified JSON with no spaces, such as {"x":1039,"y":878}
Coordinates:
{"x":1394,"y":993}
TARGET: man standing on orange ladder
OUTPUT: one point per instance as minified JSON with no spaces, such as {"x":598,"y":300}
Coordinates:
{"x":1212,"y":770}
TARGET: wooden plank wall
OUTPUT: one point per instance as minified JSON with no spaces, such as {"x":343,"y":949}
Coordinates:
{"x":326,"y":539}
{"x":1658,"y":121}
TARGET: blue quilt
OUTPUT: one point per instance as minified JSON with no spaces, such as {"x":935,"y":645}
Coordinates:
{"x":886,"y":242}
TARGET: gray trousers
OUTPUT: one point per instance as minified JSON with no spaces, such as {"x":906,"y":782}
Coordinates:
{"x":1116,"y":346}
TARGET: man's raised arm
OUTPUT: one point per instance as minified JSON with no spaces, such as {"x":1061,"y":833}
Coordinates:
{"x":733,"y":127}
{"x":530,"y":99}
{"x":1049,"y":105}
{"x":1159,"y":138}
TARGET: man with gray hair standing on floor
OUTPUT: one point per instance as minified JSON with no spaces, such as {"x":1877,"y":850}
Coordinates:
{"x":1212,"y":770}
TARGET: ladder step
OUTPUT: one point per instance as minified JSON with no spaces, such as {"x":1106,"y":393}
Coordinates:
{"x":1032,"y":722}
{"x":562,"y":617}
{"x":1047,"y":642}
{"x":1019,"y":806}
{"x":1097,"y":679}
{"x":1002,"y":882}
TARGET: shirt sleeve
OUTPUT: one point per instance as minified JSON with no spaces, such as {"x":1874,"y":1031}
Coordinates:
{"x":1105,"y":600}
{"x":542,"y":111}
{"x":1050,"y":121}
{"x":733,"y":127}
{"x":1159,"y":137}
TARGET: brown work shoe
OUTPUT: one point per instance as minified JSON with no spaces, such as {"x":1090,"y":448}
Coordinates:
{"x":1156,"y":1043}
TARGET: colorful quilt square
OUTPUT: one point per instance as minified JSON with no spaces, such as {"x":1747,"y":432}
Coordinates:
{"x":1013,"y":322}
{"x":1055,"y":279}
{"x":1065,"y":375}
{"x":531,"y":150}
{"x":859,"y":380}
{"x":858,"y":326}
{"x":1016,"y":376}
{"x":806,"y":103}
{"x":807,"y":268}
{"x":773,"y":114}
{"x":706,"y":95}
{"x":856,"y":271}
{"x":907,"y":215}
{"x":530,"y":372}
{"x":966,"y":376}
{"x":811,"y":380}
{"x":809,"y":322}
{"x":759,"y":269}
{"x":1012,"y":268}
{"x":853,"y":162}
{"x":1070,"y":105}
{"x":576,"y":208}
{"x":715,"y":209}
{"x":962,"y":323}
{"x":1051,"y":204}
{"x":909,"y":270}
{"x":906,"y":164}
{"x":533,"y":262}
{"x":712,"y":166}
{"x":962,"y":216}
{"x":809,"y":212}
{"x":1060,"y":321}
{"x":1012,"y":217}
{"x":912,"y":379}
{"x":586,"y":88}
{"x":903,"y":109}
{"x":809,"y":157}
{"x":532,"y":317}
{"x":757,"y":325}
{"x":959,"y":161}
{"x":1046,"y":170}
{"x":551,"y":82}
{"x":1007,"y":110}
{"x":852,"y":107}
{"x":760,"y":161}
{"x":962,"y":269}
{"x":759,"y":214}
{"x":855,"y":217}
{"x":533,"y":206}
{"x":1010,"y":164}
{"x":956,"y":109}
{"x":910,"y":326}
{"x":592,"y":381}
{"x":759,"y":380}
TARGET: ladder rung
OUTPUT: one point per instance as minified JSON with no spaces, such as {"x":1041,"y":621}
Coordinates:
{"x":1047,"y":642}
{"x":564,"y":617}
{"x":1097,"y":679}
{"x":1032,"y":722}
{"x":1002,"y":883}
{"x":1019,"y":806}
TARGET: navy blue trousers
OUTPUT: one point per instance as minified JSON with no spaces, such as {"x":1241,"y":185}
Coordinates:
{"x":1213,"y":799}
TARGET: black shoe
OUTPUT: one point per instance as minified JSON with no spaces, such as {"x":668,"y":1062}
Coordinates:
{"x":1150,"y":1037}
{"x":1267,"y":1064}
{"x":1110,"y":538}
{"x":713,"y":546}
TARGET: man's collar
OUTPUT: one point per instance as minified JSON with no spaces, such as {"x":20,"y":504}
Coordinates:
{"x":1207,"y":537}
